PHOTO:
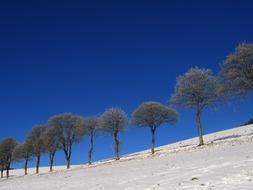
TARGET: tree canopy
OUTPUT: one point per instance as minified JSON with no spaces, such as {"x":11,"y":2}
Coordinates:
{"x":197,"y":88}
{"x":237,"y":71}
{"x":153,"y":114}
{"x":114,"y":119}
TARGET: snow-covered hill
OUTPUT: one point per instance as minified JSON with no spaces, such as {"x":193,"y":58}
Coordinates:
{"x":225,"y":162}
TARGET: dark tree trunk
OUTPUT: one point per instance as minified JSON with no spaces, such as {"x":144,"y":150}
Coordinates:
{"x":2,"y":173}
{"x":7,"y":170}
{"x":37,"y":164}
{"x":153,"y":141}
{"x":51,"y":158}
{"x":91,"y":149}
{"x":200,"y":133}
{"x":67,"y":157}
{"x":26,"y":163}
{"x":68,"y":163}
{"x":67,"y":152}
{"x":116,"y":142}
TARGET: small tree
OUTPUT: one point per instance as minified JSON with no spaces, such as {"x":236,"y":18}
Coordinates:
{"x":23,"y":152}
{"x":34,"y":138}
{"x":71,"y":130}
{"x":51,"y":140}
{"x":6,"y":150}
{"x":2,"y":165}
{"x":2,"y":160}
{"x":114,"y":120}
{"x":197,"y":89}
{"x":153,"y":115}
{"x":92,"y":125}
{"x":237,"y":71}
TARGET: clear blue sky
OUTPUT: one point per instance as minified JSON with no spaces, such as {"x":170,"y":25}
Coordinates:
{"x":86,"y":56}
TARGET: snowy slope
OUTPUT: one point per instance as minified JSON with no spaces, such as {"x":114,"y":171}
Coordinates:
{"x":225,"y":162}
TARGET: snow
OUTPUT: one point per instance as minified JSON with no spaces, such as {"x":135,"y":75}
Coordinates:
{"x":225,"y":162}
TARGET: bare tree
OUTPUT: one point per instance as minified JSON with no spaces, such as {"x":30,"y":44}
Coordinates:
{"x":237,"y":71}
{"x":153,"y":115}
{"x":34,"y":138}
{"x":71,"y":130}
{"x":92,"y":125}
{"x":114,"y":120}
{"x":23,"y":152}
{"x":6,"y":150}
{"x":51,"y":140}
{"x":197,"y":89}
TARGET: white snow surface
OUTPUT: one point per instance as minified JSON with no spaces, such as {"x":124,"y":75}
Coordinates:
{"x":225,"y":162}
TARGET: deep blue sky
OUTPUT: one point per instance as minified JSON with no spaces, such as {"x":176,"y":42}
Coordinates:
{"x":86,"y":56}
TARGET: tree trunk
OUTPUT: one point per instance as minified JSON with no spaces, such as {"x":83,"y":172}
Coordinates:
{"x":2,"y":173}
{"x":67,"y":152}
{"x":51,"y":157}
{"x":38,"y":164}
{"x":153,"y":141}
{"x":91,"y":149}
{"x":7,"y":170}
{"x":68,"y":160}
{"x":200,"y":133}
{"x":68,"y":163}
{"x":26,"y":163}
{"x":116,"y":142}
{"x":69,"y":156}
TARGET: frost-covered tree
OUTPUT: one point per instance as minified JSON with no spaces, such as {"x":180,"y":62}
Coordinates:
{"x":71,"y":130}
{"x":153,"y":115}
{"x":23,"y":152}
{"x":92,"y":125}
{"x":114,"y":120}
{"x":197,"y":88}
{"x":34,"y":139}
{"x":51,"y":139}
{"x":237,"y":71}
{"x":7,"y":147}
